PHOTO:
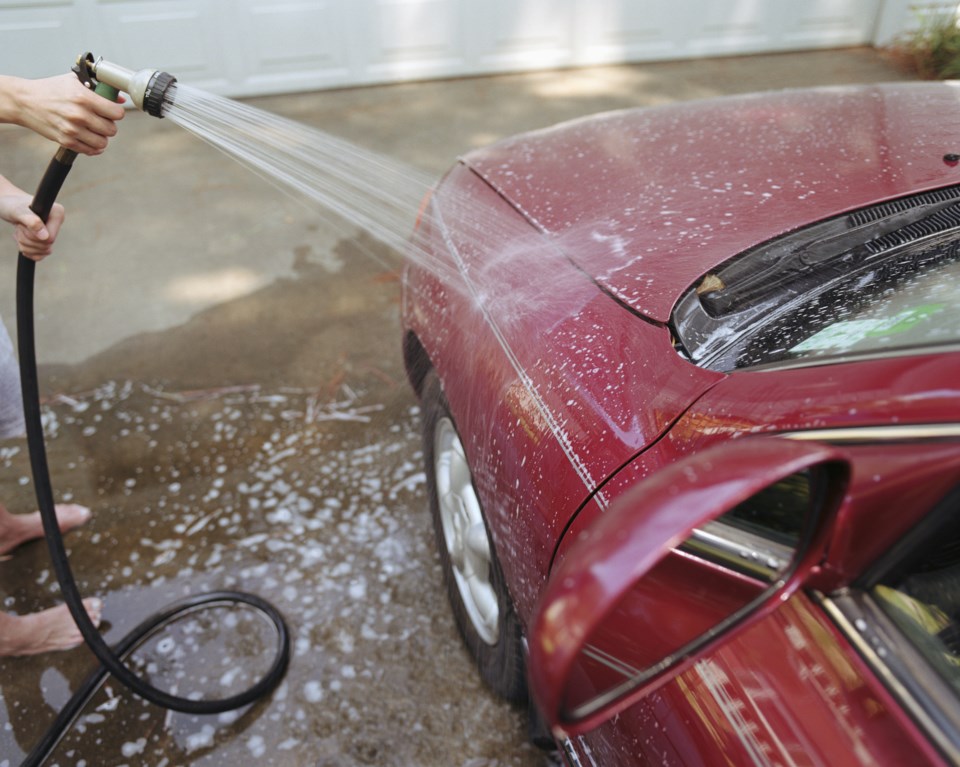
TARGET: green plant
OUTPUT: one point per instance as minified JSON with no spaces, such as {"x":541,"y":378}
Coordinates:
{"x":933,"y":49}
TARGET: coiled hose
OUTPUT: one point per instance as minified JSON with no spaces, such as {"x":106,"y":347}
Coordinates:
{"x":111,"y":658}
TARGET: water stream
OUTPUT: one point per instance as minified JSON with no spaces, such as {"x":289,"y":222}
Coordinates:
{"x":386,"y":198}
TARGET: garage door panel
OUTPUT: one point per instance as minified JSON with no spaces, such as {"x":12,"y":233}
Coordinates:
{"x":819,"y":23}
{"x":414,"y":38}
{"x":614,"y":30}
{"x":38,"y":41}
{"x":306,"y":40}
{"x":529,"y":34}
{"x":733,"y":27}
{"x":180,"y":36}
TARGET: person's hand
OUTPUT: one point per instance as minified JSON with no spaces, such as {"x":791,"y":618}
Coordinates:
{"x":34,"y":238}
{"x":63,"y":110}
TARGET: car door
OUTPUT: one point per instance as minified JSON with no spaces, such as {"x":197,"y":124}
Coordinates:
{"x":834,"y":673}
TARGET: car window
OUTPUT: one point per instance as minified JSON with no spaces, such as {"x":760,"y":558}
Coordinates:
{"x":903,"y":617}
{"x":923,"y":599}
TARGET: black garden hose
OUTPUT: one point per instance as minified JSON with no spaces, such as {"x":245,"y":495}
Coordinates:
{"x":111,"y":658}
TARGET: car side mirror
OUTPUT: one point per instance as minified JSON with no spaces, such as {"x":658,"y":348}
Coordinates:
{"x":648,"y":589}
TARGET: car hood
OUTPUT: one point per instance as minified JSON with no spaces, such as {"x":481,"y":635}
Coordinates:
{"x":647,"y":201}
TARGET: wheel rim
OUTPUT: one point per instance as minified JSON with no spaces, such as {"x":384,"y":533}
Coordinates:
{"x":464,"y":532}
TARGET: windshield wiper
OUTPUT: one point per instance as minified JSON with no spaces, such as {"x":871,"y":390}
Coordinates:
{"x":803,"y":260}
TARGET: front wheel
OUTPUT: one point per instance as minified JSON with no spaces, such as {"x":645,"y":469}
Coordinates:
{"x":481,"y":605}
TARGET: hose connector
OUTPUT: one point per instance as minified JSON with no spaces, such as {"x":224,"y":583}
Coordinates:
{"x":151,"y":90}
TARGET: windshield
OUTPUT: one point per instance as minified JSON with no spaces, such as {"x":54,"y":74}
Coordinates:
{"x":909,"y":303}
{"x":882,"y":280}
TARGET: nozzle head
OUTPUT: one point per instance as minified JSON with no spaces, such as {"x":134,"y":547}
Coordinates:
{"x":158,"y":94}
{"x":150,"y":89}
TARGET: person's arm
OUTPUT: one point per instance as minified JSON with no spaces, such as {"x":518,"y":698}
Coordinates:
{"x":61,"y":109}
{"x":34,"y":239}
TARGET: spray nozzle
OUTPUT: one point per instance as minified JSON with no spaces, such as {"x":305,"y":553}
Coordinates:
{"x":151,"y":90}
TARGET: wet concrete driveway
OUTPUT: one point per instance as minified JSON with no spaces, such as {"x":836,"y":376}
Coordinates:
{"x":224,"y":388}
{"x":306,"y":491}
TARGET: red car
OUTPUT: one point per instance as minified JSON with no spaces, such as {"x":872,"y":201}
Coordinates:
{"x":690,"y":381}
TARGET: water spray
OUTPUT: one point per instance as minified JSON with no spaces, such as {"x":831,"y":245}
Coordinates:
{"x":153,"y":92}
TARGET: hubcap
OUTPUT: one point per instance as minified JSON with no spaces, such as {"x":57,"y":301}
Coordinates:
{"x":464,"y":532}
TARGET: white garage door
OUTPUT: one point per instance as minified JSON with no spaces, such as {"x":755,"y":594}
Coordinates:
{"x":246,"y":47}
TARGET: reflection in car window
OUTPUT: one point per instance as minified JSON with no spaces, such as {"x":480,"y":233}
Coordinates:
{"x":777,"y":512}
{"x":924,"y":601}
{"x":910,"y":301}
{"x":881,"y":280}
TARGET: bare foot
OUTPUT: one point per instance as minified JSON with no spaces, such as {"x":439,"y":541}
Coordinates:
{"x":45,"y":631}
{"x":16,"y":529}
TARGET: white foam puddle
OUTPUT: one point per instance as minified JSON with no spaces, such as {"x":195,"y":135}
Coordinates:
{"x":324,"y":517}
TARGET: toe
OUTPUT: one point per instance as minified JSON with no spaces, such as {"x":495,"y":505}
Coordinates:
{"x":70,"y":515}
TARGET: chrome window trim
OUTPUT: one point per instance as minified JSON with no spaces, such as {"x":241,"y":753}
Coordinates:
{"x":867,"y":434}
{"x":570,"y":752}
{"x":729,"y":546}
{"x":906,"y":673}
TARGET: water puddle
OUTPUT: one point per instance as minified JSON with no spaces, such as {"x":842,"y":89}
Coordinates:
{"x":310,"y":496}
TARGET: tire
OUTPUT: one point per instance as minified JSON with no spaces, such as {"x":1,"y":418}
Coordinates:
{"x":478,"y":596}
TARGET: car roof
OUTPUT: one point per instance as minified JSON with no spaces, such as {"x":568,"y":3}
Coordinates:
{"x":647,"y":201}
